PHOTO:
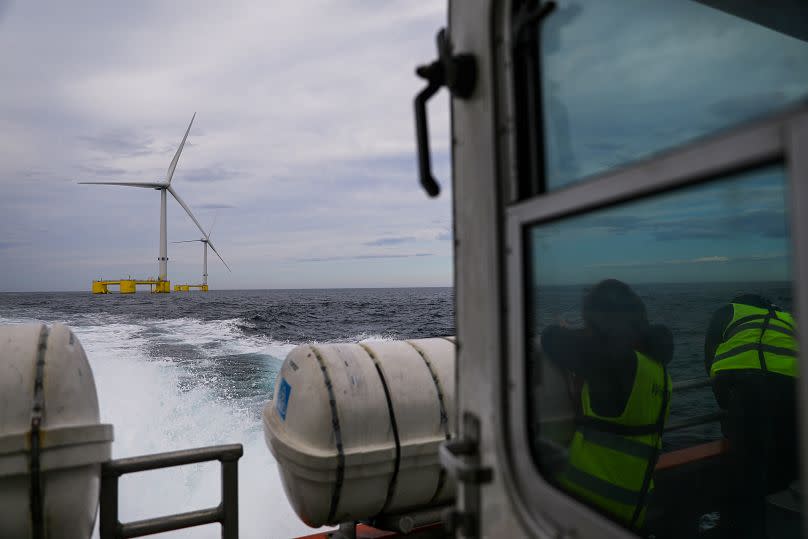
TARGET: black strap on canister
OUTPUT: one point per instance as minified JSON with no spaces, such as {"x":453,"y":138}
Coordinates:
{"x":391,"y":486}
{"x":335,"y":494}
{"x":35,"y":476}
{"x":444,"y":416}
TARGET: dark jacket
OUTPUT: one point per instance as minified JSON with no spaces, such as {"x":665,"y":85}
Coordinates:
{"x":609,"y":367}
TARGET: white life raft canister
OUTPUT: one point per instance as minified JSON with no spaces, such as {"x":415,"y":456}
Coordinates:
{"x":51,"y":442}
{"x":355,"y":428}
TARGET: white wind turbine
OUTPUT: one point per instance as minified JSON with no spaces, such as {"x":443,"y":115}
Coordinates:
{"x":206,"y":242}
{"x":164,"y":186}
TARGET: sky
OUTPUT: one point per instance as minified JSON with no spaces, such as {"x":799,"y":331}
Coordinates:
{"x":302,"y":150}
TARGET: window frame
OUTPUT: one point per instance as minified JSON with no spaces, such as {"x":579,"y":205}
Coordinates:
{"x":781,"y":137}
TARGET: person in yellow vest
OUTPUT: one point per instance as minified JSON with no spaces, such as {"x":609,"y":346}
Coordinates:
{"x":620,"y":359}
{"x":750,"y":354}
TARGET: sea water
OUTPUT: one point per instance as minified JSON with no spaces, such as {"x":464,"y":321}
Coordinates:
{"x":185,"y":370}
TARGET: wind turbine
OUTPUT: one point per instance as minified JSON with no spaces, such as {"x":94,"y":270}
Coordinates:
{"x":164,"y":186}
{"x":207,"y":243}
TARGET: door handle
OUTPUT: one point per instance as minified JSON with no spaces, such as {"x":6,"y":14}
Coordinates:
{"x":458,"y":72}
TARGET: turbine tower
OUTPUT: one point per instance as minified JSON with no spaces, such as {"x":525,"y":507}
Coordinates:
{"x":163,"y":186}
{"x":206,"y":243}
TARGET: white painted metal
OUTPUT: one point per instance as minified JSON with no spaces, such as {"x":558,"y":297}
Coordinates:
{"x":489,"y":282}
{"x":478,"y":274}
{"x":302,"y":432}
{"x":185,"y":207}
{"x":163,"y":187}
{"x":796,"y":135}
{"x":205,"y":264}
{"x":210,"y":243}
{"x":73,"y":442}
{"x":206,"y":242}
{"x":163,"y":259}
{"x":175,"y":160}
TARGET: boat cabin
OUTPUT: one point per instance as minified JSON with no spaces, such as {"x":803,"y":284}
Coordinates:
{"x":661,"y":144}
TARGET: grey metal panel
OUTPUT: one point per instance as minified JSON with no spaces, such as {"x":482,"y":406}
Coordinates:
{"x":489,"y":264}
{"x":735,"y":150}
{"x":477,"y":225}
{"x":797,"y":147}
{"x":483,"y":178}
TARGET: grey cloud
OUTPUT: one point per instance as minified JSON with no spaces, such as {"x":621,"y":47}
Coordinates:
{"x":12,"y":244}
{"x":381,"y":242}
{"x":101,"y":170}
{"x":768,"y":223}
{"x":445,"y":236}
{"x":214,"y":173}
{"x":120,"y":142}
{"x":214,"y":206}
{"x":717,"y":259}
{"x":360,"y":257}
{"x":748,"y":105}
{"x":617,"y":224}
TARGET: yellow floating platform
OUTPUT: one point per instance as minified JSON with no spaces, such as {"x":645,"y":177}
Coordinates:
{"x":129,"y":286}
{"x":188,"y":287}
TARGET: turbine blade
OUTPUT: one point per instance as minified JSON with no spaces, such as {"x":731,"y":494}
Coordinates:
{"x":148,"y":185}
{"x":220,"y":256}
{"x":210,"y":230}
{"x":186,"y":208}
{"x":186,"y":241}
{"x":173,"y":165}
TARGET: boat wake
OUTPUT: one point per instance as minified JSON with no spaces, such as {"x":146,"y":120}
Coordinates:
{"x":183,"y":383}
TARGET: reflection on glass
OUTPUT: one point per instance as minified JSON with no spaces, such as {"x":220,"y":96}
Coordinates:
{"x":627,"y":302}
{"x":626,"y":78}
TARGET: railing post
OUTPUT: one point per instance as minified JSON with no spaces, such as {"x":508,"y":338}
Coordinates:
{"x":230,"y":497}
{"x":109,"y":503}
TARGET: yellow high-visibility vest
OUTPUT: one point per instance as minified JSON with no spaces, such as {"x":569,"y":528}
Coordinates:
{"x":611,"y":459}
{"x":757,"y":339}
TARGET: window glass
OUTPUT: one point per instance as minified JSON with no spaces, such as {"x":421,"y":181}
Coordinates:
{"x":622,"y":79}
{"x":694,"y":284}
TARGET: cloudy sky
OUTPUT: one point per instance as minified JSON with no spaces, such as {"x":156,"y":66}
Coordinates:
{"x":302,"y":148}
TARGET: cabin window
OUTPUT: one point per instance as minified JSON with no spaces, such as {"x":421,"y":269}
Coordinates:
{"x":624,"y":79}
{"x":685,"y":255}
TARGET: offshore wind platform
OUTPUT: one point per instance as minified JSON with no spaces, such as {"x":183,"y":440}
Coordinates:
{"x":160,"y":285}
{"x":205,"y":242}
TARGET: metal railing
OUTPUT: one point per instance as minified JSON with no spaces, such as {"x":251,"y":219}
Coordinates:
{"x":695,"y":420}
{"x":226,"y":513}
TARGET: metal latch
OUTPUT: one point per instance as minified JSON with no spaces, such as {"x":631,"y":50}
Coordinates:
{"x":458,"y":72}
{"x":461,"y":459}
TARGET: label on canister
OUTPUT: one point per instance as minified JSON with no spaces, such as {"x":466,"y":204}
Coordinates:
{"x":282,"y":399}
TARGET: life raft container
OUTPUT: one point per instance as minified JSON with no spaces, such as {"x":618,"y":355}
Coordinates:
{"x":51,"y":441}
{"x":355,"y":428}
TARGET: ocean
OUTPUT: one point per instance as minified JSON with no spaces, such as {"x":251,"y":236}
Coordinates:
{"x":184,"y":370}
